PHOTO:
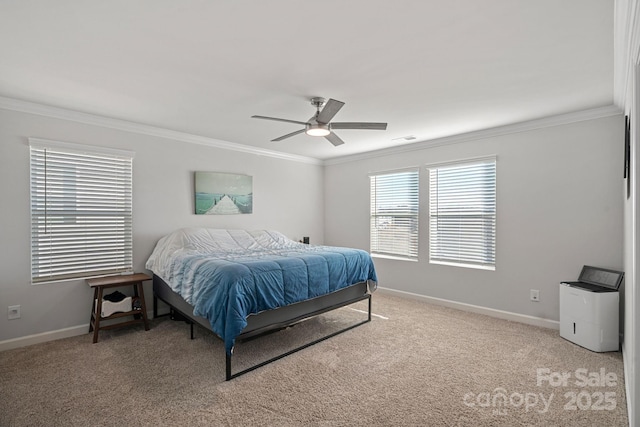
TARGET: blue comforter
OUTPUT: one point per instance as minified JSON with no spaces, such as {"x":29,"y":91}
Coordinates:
{"x":229,"y":283}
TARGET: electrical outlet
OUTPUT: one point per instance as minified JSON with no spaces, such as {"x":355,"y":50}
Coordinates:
{"x":14,"y":312}
{"x":535,"y":295}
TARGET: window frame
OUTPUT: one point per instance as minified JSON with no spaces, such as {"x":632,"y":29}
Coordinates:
{"x":481,"y":218}
{"x":402,"y":246}
{"x":81,"y":211}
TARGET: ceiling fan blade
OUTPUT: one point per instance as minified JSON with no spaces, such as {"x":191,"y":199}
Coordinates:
{"x":330,"y":109}
{"x":289,"y":135}
{"x":359,"y":125}
{"x":334,"y":139}
{"x":279,"y":120}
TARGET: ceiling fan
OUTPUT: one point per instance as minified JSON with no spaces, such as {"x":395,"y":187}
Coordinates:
{"x":320,"y":123}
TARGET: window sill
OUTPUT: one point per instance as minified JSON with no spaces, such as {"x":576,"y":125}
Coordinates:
{"x":459,"y":264}
{"x":395,"y":257}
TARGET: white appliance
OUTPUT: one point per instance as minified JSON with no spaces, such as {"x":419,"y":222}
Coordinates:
{"x":589,"y":309}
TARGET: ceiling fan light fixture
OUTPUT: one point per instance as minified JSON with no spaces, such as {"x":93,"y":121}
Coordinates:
{"x":317,"y":130}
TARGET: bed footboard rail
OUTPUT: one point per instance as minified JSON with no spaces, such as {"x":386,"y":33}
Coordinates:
{"x":269,"y":321}
{"x":230,"y":375}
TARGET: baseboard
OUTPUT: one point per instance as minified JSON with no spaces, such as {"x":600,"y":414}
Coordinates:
{"x":49,"y":336}
{"x":44,"y":337}
{"x":507,"y":315}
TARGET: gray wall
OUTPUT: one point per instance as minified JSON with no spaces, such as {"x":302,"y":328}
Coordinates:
{"x":560,"y":206}
{"x":287,"y":197}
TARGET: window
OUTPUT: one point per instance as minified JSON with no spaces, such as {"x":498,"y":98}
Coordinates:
{"x":394,"y":214}
{"x":80,"y":211}
{"x":462,"y":214}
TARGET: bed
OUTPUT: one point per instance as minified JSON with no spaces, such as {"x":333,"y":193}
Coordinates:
{"x":240,"y":283}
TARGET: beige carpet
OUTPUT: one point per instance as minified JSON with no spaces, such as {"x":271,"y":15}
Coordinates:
{"x":415,"y":364}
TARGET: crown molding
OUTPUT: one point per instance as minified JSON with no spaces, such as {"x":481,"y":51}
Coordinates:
{"x":562,"y":119}
{"x":127,"y":126}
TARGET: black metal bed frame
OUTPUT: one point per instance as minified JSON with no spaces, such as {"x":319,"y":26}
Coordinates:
{"x":270,"y":320}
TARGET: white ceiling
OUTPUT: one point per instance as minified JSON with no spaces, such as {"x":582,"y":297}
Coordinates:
{"x":429,"y":68}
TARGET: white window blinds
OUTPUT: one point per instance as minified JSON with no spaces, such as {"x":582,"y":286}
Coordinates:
{"x":462,"y":214}
{"x":394,"y":214}
{"x":80,"y":211}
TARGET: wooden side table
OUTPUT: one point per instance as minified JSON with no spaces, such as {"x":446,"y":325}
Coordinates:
{"x":99,"y":284}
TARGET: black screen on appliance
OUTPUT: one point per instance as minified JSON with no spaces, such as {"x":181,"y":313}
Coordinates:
{"x":600,"y":276}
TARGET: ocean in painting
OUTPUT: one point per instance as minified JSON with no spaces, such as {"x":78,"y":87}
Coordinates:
{"x":219,"y":193}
